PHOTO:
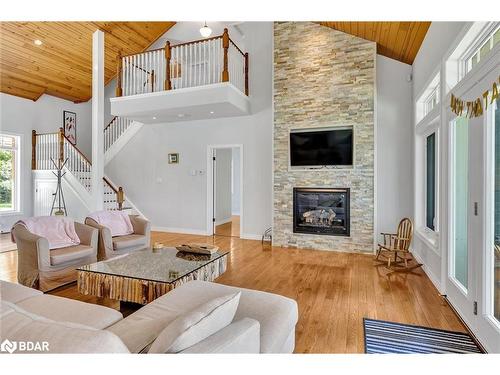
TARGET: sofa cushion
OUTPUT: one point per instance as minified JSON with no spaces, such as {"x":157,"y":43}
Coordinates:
{"x":138,"y":334}
{"x":62,"y":337}
{"x":276,"y":314}
{"x":128,"y":241}
{"x":69,"y":254}
{"x":242,"y":336}
{"x":196,"y":325}
{"x":68,"y":310}
{"x":15,"y":293}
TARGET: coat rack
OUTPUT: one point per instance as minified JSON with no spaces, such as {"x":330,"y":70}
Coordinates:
{"x":58,"y":195}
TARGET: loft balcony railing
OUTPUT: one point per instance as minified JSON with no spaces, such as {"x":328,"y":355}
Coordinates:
{"x":191,"y":64}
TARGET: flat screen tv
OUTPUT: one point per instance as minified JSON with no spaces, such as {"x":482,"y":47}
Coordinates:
{"x":321,"y":148}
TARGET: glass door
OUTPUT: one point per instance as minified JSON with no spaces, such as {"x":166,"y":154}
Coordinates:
{"x":489,"y":314}
{"x":460,"y":237}
{"x":495,"y":246}
{"x":463,"y":206}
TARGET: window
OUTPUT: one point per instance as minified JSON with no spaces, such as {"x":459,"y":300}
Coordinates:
{"x":482,"y":49}
{"x":475,"y":45}
{"x":430,"y":195}
{"x":9,"y":172}
{"x":429,"y":99}
{"x":432,"y":100}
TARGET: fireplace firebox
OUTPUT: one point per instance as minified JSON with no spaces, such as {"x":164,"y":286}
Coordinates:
{"x":321,"y":211}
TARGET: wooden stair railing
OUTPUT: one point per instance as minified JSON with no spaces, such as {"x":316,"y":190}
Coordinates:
{"x":120,"y":196}
{"x":204,"y":61}
{"x":114,"y":130}
{"x":48,"y":147}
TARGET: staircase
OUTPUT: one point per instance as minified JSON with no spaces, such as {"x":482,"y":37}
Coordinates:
{"x":50,"y":148}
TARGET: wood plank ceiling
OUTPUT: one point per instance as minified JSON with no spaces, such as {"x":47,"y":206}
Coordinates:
{"x":62,"y":65}
{"x":397,"y":40}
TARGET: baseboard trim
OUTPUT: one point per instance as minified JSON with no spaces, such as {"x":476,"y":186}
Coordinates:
{"x":198,"y":232}
{"x":250,"y":236}
{"x":435,"y":280}
{"x":223,"y":221}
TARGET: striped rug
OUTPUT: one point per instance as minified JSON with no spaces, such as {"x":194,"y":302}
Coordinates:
{"x":388,"y":337}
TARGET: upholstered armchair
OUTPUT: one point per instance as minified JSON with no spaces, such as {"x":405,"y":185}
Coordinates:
{"x":42,"y":268}
{"x":109,"y":247}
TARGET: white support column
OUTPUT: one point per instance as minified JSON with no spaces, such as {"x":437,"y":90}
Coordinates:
{"x":98,"y":119}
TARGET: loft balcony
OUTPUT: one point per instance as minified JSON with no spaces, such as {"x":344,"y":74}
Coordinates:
{"x":190,"y":81}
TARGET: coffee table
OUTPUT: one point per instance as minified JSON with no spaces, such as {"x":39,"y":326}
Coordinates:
{"x":147,"y":274}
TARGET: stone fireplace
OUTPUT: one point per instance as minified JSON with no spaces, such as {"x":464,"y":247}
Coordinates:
{"x":321,"y":211}
{"x":323,"y":78}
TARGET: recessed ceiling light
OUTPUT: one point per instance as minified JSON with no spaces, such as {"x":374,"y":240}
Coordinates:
{"x":154,"y":118}
{"x":211,"y":112}
{"x":38,"y":42}
{"x":181,"y":115}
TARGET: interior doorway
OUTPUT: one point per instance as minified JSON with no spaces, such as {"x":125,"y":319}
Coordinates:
{"x":225,"y":190}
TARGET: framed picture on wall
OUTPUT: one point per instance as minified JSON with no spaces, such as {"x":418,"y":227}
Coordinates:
{"x":69,"y":126}
{"x":173,"y":158}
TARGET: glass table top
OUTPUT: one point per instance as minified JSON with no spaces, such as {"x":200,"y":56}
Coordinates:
{"x":164,"y":265}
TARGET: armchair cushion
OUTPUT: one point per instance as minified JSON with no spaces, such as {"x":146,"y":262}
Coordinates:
{"x":59,"y":231}
{"x":129,"y":241}
{"x":118,"y":222}
{"x":69,"y":254}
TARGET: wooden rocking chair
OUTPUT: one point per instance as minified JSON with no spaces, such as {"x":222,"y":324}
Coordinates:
{"x":397,"y":245}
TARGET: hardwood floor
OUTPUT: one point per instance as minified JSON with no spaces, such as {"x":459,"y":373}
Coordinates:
{"x":334,"y":291}
{"x":230,"y":229}
{"x":6,"y":243}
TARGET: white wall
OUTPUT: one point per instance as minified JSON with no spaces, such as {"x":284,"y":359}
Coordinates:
{"x":235,"y":197}
{"x":439,"y":39}
{"x":21,"y":116}
{"x":223,"y":178}
{"x":394,"y":134}
{"x":168,"y":194}
{"x":436,"y":43}
{"x":46,"y":183}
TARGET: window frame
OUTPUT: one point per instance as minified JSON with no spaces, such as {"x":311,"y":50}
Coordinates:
{"x":432,"y":89}
{"x":16,"y":192}
{"x":426,"y":174}
{"x":434,"y":94}
{"x":426,"y":127}
{"x":485,"y":36}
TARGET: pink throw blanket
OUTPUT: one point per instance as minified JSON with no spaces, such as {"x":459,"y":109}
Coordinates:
{"x":118,"y":222}
{"x":59,"y":231}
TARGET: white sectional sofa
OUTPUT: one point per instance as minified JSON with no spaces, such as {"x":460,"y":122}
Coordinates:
{"x":263,"y":322}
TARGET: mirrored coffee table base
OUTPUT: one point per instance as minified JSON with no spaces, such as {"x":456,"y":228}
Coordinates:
{"x":122,"y":278}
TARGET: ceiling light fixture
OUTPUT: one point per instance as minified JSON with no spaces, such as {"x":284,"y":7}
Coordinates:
{"x":154,"y":118}
{"x":38,"y":42}
{"x":205,"y":31}
{"x":211,"y":112}
{"x":180,"y":115}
